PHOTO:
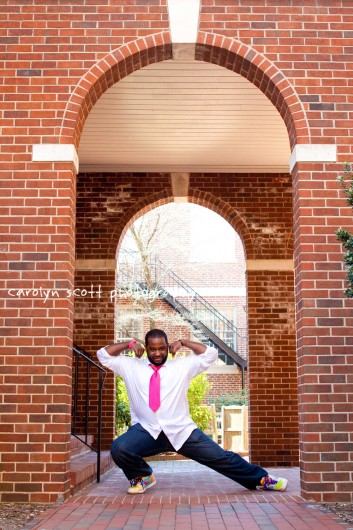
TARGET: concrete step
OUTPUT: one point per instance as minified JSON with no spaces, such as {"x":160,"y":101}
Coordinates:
{"x":83,"y":469}
{"x":78,"y":447}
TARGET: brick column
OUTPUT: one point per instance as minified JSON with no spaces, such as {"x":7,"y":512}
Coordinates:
{"x":38,"y":263}
{"x":273,"y":407}
{"x":325,"y":330}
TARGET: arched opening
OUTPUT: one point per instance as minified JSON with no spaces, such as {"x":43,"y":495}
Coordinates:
{"x":245,"y":196}
{"x":181,"y":268}
{"x":227,"y":52}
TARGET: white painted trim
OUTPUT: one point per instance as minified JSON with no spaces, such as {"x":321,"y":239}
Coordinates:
{"x":184,"y":20}
{"x":223,"y":292}
{"x":55,"y":153}
{"x":313,"y":153}
{"x":227,"y":369}
{"x":156,"y":168}
{"x":269,"y":265}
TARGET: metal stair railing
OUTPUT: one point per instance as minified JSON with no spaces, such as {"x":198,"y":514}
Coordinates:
{"x":214,"y":339}
{"x":200,"y":308}
{"x":79,"y":353}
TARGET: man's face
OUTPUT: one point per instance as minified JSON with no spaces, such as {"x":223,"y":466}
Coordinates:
{"x":157,"y":350}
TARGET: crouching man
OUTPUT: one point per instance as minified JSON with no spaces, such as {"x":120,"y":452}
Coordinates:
{"x":157,"y":389}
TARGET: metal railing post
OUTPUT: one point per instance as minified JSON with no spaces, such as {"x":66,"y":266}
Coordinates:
{"x":81,"y":354}
{"x":75,"y":394}
{"x":99,"y":437}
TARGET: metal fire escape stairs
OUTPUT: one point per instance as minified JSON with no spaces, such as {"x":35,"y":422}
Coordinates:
{"x":205,"y":319}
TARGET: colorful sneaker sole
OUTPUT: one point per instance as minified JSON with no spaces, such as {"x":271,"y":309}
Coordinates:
{"x":138,"y":490}
{"x":282,"y":486}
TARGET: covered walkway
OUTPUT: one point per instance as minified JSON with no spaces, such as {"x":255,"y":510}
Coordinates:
{"x":188,"y":496}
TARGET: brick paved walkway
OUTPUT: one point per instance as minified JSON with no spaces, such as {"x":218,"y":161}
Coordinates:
{"x":188,"y":497}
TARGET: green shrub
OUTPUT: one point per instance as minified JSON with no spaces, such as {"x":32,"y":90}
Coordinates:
{"x":344,"y":236}
{"x":198,"y":389}
{"x":122,"y":409}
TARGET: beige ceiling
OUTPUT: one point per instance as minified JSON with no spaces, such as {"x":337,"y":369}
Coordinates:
{"x":184,"y":116}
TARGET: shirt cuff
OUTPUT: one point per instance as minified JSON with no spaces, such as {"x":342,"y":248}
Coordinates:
{"x":209,"y":356}
{"x":104,"y":357}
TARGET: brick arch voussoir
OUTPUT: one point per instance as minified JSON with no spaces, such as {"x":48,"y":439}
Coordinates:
{"x":256,"y":68}
{"x":228,"y":213}
{"x":105,"y":73}
{"x":207,"y":200}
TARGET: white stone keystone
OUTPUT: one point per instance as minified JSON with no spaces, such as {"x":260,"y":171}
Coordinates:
{"x":184,"y":20}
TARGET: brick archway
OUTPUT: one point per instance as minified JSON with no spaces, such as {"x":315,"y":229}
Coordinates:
{"x":243,"y":60}
{"x":140,"y":208}
{"x":222,"y":51}
{"x":246,"y":61}
{"x":270,"y":295}
{"x":105,"y":73}
{"x":207,"y":200}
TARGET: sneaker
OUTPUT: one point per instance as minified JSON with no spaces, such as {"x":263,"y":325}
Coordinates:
{"x":273,"y":483}
{"x":141,"y":484}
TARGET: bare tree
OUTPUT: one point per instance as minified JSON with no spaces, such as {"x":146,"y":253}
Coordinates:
{"x":138,"y":281}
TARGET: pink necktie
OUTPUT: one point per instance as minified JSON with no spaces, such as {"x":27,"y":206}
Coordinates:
{"x":155,"y":388}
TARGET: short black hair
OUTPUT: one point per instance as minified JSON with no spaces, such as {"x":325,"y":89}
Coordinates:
{"x":156,"y":334}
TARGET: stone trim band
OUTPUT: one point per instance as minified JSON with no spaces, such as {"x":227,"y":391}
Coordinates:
{"x":55,"y":153}
{"x":313,"y":153}
{"x":251,"y":264}
{"x":269,"y":265}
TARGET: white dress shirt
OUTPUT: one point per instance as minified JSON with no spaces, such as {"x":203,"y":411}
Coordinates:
{"x":173,"y":416}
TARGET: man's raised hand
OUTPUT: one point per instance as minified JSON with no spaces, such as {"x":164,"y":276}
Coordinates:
{"x":138,"y":349}
{"x":175,"y":346}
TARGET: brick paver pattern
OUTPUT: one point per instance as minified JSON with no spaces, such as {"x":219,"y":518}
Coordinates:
{"x":188,"y":496}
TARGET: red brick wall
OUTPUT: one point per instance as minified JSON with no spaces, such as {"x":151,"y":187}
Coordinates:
{"x":272,"y":368}
{"x":300,"y":55}
{"x":311,"y":44}
{"x":105,"y":204}
{"x":36,"y":334}
{"x":324,"y":331}
{"x":263,"y":201}
{"x":265,"y":205}
{"x":224,"y":384}
{"x":255,"y":197}
{"x":46,"y":49}
{"x":94,"y":328}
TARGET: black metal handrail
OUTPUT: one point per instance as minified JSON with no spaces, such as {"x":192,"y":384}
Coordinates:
{"x":80,"y":353}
